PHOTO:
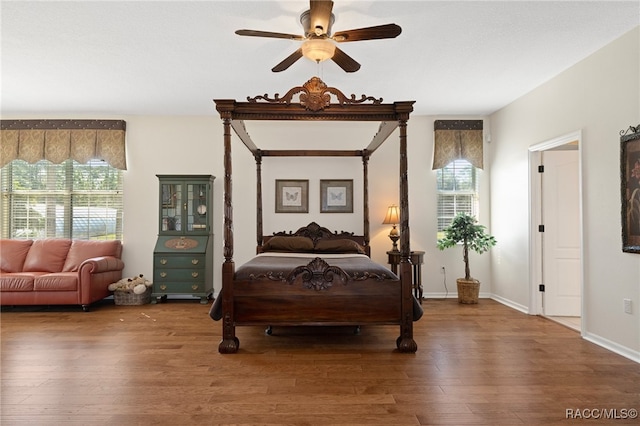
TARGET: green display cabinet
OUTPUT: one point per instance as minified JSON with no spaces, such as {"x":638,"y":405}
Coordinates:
{"x":183,"y":255}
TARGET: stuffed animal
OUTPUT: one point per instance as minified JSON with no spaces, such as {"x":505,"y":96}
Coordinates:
{"x":137,"y":285}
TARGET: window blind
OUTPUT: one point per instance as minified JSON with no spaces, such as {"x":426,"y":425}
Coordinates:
{"x":67,"y":200}
{"x":457,"y":190}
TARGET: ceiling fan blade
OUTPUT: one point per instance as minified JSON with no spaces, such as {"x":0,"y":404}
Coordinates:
{"x":345,"y":61}
{"x":288,"y":61}
{"x":320,"y":15}
{"x":369,"y":33}
{"x":254,"y":33}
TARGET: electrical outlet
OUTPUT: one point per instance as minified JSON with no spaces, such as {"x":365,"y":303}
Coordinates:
{"x":627,"y":306}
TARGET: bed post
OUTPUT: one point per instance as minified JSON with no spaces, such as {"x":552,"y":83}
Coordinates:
{"x":259,"y":232}
{"x":405,"y":342}
{"x":365,"y":192}
{"x":229,"y":343}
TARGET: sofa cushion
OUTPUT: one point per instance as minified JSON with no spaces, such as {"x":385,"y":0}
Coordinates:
{"x":61,"y":281}
{"x":82,"y":250}
{"x":17,"y":282}
{"x":47,"y":255}
{"x":13,"y":253}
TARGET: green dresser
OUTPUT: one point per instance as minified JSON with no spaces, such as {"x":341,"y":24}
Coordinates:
{"x":180,"y":267}
{"x":182,"y":258}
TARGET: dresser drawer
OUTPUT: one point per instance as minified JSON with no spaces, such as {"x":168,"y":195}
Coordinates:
{"x":192,"y":274}
{"x":160,"y":288}
{"x":182,"y":261}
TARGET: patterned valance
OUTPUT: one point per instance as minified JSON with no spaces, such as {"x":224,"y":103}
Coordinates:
{"x":457,"y":140}
{"x":59,"y":140}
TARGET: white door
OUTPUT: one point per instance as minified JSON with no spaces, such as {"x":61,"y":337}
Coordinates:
{"x":561,"y":238}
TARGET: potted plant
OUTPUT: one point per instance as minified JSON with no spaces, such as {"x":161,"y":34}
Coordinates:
{"x":465,"y":229}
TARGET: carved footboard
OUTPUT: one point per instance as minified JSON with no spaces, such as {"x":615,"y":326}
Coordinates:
{"x":315,"y":293}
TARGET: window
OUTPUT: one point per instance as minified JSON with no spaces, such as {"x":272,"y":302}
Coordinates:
{"x":67,"y":200}
{"x":457,"y":189}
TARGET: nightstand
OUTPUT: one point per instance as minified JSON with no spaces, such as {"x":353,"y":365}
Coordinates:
{"x":416,"y":258}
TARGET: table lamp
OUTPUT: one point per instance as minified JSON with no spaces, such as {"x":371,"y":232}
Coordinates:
{"x":393,"y":218}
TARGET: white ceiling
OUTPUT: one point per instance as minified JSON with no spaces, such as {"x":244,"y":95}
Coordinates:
{"x":173,"y":57}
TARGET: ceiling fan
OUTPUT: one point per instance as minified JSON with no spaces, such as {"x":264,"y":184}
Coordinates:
{"x":318,"y":42}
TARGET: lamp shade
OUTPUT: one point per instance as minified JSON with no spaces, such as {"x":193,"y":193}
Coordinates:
{"x":393,"y":216}
{"x":318,"y":50}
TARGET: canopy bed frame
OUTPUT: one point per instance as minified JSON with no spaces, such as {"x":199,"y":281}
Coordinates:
{"x":315,"y":293}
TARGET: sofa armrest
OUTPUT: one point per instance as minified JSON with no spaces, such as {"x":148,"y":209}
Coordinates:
{"x":101,"y":264}
{"x":95,"y":275}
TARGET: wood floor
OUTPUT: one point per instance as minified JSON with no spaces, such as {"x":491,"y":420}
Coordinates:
{"x":159,"y":365}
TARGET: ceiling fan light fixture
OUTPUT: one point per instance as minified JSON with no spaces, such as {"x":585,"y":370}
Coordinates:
{"x":319,"y":44}
{"x":318,"y":50}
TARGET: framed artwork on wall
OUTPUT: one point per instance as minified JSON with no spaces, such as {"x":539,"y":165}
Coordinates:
{"x":630,"y":188}
{"x":336,"y":196}
{"x":292,"y":196}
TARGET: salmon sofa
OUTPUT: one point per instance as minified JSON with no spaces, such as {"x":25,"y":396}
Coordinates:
{"x":58,"y":271}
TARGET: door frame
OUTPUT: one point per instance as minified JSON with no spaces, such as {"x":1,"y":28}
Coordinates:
{"x":535,"y":219}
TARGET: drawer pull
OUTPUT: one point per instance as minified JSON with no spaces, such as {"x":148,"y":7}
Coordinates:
{"x":163,"y":261}
{"x":194,"y":274}
{"x":194,"y":287}
{"x":163,"y":287}
{"x":194,"y":261}
{"x":163,"y":274}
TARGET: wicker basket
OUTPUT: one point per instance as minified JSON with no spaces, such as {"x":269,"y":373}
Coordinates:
{"x":468,"y":291}
{"x":125,"y":297}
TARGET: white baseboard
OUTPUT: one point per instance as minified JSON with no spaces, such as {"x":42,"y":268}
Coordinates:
{"x":613,"y":347}
{"x":511,"y":304}
{"x":440,"y":295}
{"x":452,"y":295}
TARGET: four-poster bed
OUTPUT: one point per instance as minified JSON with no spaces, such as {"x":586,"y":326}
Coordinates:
{"x":333,"y":281}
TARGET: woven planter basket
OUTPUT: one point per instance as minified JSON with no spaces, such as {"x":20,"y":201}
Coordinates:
{"x":121,"y":297}
{"x":468,"y":291}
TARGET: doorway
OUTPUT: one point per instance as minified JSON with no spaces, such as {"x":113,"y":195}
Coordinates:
{"x":556,"y":230}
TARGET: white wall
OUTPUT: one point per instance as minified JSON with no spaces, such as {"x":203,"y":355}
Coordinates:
{"x":599,"y":96}
{"x":423,"y":210}
{"x":164,"y":145}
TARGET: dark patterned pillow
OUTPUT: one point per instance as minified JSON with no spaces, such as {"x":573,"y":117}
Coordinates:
{"x":338,"y":245}
{"x":288,"y":244}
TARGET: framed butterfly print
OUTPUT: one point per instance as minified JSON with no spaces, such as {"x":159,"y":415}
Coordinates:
{"x":336,"y":196}
{"x":292,"y":196}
